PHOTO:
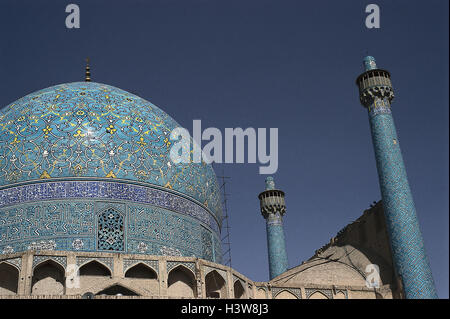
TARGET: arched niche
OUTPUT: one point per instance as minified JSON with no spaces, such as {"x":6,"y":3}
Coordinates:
{"x":215,"y":285}
{"x":239,"y":291}
{"x":48,"y":279}
{"x":261,"y":293}
{"x":318,"y":295}
{"x":9,"y":279}
{"x":285,"y":295}
{"x":94,"y":268}
{"x":141,"y":271}
{"x":339,"y":295}
{"x":117,"y":290}
{"x":181,"y":283}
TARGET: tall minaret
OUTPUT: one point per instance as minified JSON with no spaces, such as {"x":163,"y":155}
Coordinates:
{"x":411,"y":262}
{"x":273,"y":209}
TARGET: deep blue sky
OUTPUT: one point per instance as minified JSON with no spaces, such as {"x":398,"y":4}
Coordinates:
{"x":285,"y":64}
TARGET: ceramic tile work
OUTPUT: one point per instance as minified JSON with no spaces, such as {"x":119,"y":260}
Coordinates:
{"x":327,"y":292}
{"x":295,"y":291}
{"x":173,"y":264}
{"x":278,"y":261}
{"x":380,"y":106}
{"x":170,"y":234}
{"x":14,"y":261}
{"x":105,"y":190}
{"x":370,"y":63}
{"x":111,"y":231}
{"x":107,"y":261}
{"x":221,"y":272}
{"x":129,"y":263}
{"x":273,"y":208}
{"x":86,"y":167}
{"x":403,"y":226}
{"x":76,"y":225}
{"x":87,"y":129}
{"x":62,"y":260}
{"x":405,"y":237}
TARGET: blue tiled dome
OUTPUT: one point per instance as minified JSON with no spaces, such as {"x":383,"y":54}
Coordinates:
{"x":87,"y":129}
{"x":86,"y":166}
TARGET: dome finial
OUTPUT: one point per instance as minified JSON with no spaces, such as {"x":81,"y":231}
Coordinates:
{"x":369,"y":63}
{"x":270,"y":183}
{"x":87,"y":77}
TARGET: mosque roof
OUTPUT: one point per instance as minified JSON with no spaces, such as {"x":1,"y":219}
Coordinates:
{"x":96,"y":131}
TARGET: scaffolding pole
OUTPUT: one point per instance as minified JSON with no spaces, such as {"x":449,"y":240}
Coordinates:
{"x":226,"y":242}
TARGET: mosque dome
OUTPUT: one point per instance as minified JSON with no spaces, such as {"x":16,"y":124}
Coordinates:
{"x":91,"y":144}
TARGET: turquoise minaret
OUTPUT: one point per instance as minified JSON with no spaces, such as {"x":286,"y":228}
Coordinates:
{"x":273,"y":208}
{"x":411,"y":262}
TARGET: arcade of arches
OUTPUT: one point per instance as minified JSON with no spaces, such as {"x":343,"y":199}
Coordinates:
{"x":112,"y":275}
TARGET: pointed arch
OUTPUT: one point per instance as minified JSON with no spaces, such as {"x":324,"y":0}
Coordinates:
{"x":261,"y":293}
{"x":9,"y":279}
{"x":340,"y":295}
{"x":117,"y":290}
{"x":181,"y":283}
{"x":215,"y":285}
{"x":284,"y":294}
{"x":318,"y":295}
{"x":48,"y":278}
{"x":47,"y":259}
{"x":94,"y":268}
{"x":239,"y":291}
{"x":141,"y":271}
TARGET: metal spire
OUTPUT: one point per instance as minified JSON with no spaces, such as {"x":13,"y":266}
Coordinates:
{"x":87,"y":77}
